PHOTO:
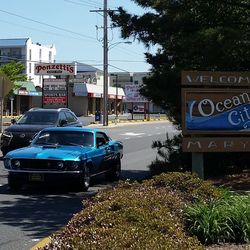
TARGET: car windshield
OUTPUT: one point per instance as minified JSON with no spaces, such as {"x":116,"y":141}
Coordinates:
{"x":43,"y":118}
{"x":72,"y":138}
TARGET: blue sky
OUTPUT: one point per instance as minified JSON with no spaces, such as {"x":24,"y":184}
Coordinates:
{"x":75,"y":16}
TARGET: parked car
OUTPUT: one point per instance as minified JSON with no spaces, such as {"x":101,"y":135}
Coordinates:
{"x":20,"y":132}
{"x":65,"y":155}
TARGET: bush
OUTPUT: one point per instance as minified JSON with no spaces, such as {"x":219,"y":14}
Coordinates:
{"x":169,"y":211}
{"x":170,"y":156}
{"x":225,"y":219}
{"x":136,"y":216}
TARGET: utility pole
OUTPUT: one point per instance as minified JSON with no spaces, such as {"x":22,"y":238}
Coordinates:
{"x":105,"y":61}
{"x":106,"y":48}
{"x":105,"y":64}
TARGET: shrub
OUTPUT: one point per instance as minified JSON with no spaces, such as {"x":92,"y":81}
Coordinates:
{"x":170,"y":156}
{"x":135,"y":216}
{"x":169,"y":211}
{"x":225,"y":219}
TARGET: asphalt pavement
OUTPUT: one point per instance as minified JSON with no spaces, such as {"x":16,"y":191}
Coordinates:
{"x":112,"y":119}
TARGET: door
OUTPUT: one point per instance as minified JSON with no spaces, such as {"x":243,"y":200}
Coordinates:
{"x":105,"y":151}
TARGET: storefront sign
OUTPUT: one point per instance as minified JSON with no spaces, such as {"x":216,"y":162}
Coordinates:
{"x":54,"y":93}
{"x":132,"y":93}
{"x":216,"y":110}
{"x":138,"y":109}
{"x":58,"y":100}
{"x":54,"y":84}
{"x":23,"y":92}
{"x":55,"y":69}
{"x":216,"y":144}
{"x":215,"y":78}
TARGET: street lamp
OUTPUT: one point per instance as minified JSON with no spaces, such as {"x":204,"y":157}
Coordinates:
{"x":106,"y":48}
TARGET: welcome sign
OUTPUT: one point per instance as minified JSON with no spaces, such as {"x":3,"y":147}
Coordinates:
{"x":215,"y":111}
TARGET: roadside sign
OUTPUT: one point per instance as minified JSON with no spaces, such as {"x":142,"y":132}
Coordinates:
{"x":55,"y":69}
{"x":5,"y":85}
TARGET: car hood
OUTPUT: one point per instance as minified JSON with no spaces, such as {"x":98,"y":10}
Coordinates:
{"x":26,"y":128}
{"x":40,"y":152}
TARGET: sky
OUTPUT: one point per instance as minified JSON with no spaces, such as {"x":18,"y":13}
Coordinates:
{"x":75,"y":30}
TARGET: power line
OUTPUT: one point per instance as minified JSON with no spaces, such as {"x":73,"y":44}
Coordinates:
{"x":82,"y":4}
{"x":46,"y":24}
{"x":44,"y":31}
{"x":119,"y":68}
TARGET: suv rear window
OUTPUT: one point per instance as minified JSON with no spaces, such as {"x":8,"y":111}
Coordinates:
{"x":38,"y":118}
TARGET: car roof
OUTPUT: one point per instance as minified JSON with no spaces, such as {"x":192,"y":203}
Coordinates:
{"x":73,"y":129}
{"x":48,"y":110}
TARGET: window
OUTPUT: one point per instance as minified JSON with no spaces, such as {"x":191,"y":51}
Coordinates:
{"x":30,"y":55}
{"x":70,"y":117}
{"x":101,"y":139}
{"x":62,"y":116}
{"x":65,"y":138}
{"x":38,"y":118}
{"x":30,"y":68}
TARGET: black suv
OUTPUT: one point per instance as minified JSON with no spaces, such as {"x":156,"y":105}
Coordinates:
{"x":21,"y":132}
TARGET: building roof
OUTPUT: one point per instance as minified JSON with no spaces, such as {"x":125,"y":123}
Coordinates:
{"x":13,"y":42}
{"x":26,"y":88}
{"x":82,"y":67}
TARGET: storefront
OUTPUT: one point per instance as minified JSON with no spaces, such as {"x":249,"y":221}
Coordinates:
{"x":25,"y":96}
{"x":88,"y":98}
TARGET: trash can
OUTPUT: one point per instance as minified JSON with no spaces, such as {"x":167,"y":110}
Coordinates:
{"x":97,"y":116}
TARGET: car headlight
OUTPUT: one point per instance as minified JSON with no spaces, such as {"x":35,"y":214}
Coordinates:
{"x":7,"y":134}
{"x":74,"y":165}
{"x":60,"y":165}
{"x":7,"y":163}
{"x":16,"y":164}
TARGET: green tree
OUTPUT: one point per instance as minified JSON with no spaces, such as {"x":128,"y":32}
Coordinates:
{"x":14,"y":71}
{"x":191,"y":35}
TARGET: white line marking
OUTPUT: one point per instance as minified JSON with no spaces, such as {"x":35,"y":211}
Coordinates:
{"x":133,"y":134}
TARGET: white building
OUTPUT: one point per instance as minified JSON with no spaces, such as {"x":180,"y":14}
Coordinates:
{"x":24,"y":50}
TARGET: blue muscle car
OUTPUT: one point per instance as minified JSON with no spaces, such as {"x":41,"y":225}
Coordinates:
{"x":65,"y":154}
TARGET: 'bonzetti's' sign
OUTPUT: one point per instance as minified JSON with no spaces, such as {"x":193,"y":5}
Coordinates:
{"x":55,"y":69}
{"x":216,"y":111}
{"x":215,"y":78}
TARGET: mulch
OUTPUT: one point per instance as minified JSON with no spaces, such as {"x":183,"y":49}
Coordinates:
{"x":239,"y":182}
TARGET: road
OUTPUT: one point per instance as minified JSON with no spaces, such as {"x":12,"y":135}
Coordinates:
{"x":31,"y":214}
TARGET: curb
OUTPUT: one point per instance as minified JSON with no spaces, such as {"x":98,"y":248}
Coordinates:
{"x":130,"y":121}
{"x":42,"y":243}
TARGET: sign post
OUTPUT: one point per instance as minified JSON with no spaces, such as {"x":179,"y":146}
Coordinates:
{"x":5,"y":87}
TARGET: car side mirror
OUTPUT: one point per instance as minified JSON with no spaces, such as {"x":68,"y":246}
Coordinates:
{"x":13,"y":121}
{"x":62,"y":122}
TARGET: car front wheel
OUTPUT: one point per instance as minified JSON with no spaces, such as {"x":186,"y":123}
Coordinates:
{"x":114,"y":173}
{"x":85,"y":181}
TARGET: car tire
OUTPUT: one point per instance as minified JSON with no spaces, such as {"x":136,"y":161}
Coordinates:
{"x":85,"y":181}
{"x":13,"y":183}
{"x":115,"y":173}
